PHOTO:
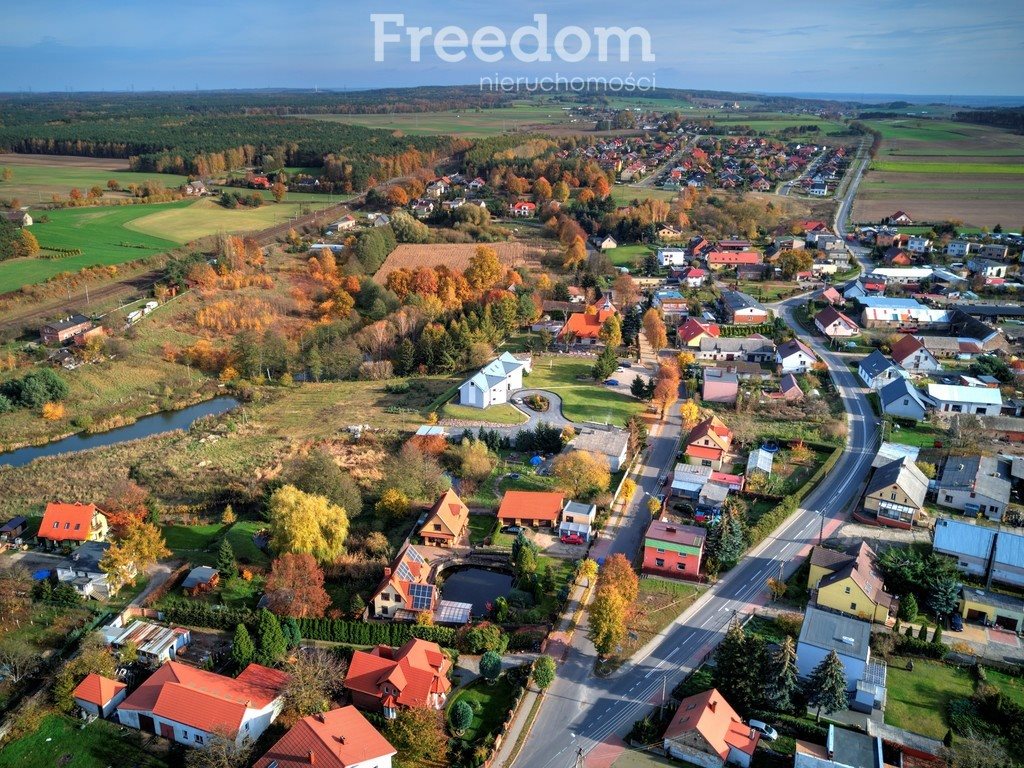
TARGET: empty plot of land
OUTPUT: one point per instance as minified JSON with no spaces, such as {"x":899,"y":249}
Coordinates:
{"x":36,"y":178}
{"x":524,"y":117}
{"x":455,"y":256}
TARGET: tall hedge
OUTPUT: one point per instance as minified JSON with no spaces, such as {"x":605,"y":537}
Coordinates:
{"x":362,"y":633}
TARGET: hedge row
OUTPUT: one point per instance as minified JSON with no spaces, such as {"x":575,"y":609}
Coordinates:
{"x":193,"y":613}
{"x":913,"y":646}
{"x":361,"y":633}
{"x":58,"y":253}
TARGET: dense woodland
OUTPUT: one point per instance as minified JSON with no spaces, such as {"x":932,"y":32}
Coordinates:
{"x":1012,"y":119}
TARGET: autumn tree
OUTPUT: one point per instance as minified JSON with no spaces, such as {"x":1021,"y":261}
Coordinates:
{"x":485,"y":269}
{"x":609,"y":610}
{"x":393,"y":505}
{"x":15,"y":594}
{"x":397,"y":196}
{"x":18,"y":660}
{"x":575,"y":253}
{"x":126,"y":504}
{"x":587,"y":570}
{"x":617,"y":573}
{"x":689,"y":413}
{"x":611,"y":332}
{"x":94,"y":657}
{"x":419,"y":735}
{"x":654,"y":329}
{"x":666,"y":386}
{"x":140,"y":546}
{"x":581,"y":473}
{"x":307,"y":523}
{"x":279,"y":190}
{"x":560,"y":191}
{"x":542,"y":189}
{"x":295,"y":587}
{"x":792,"y":262}
{"x":625,"y":291}
{"x":316,"y":675}
{"x":221,"y":750}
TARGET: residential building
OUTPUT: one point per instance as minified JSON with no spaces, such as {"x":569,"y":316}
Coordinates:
{"x":585,"y":327}
{"x":693,"y":277}
{"x":578,"y":520}
{"x":673,"y":257}
{"x":794,"y":356}
{"x":994,"y":554}
{"x":447,"y":522}
{"x":720,"y":386}
{"x":339,"y":738}
{"x":708,"y":443}
{"x":689,"y":479}
{"x":960,"y":248}
{"x":876,"y":370}
{"x":843,"y":749}
{"x":706,"y":731}
{"x":200,"y":579}
{"x":990,"y":251}
{"x":71,"y":524}
{"x":953,"y":398}
{"x":605,"y":243}
{"x":99,"y":696}
{"x":834,"y":324}
{"x":717,"y":260}
{"x":789,"y":388}
{"x":711,"y":500}
{"x":155,"y":644}
{"x":832,"y":296}
{"x":386,"y":678}
{"x":911,"y":353}
{"x":610,"y":442}
{"x":673,"y":550}
{"x":690,"y":333}
{"x":672,"y":303}
{"x":849,"y":582}
{"x":975,"y":485}
{"x":752,"y":349}
{"x":900,"y":398}
{"x":495,"y":382}
{"x":189,"y":705}
{"x":919,"y":244}
{"x":900,"y":219}
{"x":408,"y":590}
{"x":531,"y":508}
{"x":13,"y":529}
{"x":895,"y":494}
{"x":986,"y":268}
{"x":523,"y":209}
{"x":196,"y":188}
{"x":740,"y":309}
{"x":65,"y":329}
{"x":823,"y":632}
{"x":81,"y":569}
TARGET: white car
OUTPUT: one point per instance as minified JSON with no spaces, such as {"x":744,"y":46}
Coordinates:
{"x":769,"y":733}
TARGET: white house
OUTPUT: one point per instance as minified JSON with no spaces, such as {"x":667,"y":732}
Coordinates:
{"x":918,"y":244}
{"x":876,"y":370}
{"x":834,"y":324}
{"x":960,"y":248}
{"x":673,"y":257}
{"x":81,"y":569}
{"x":953,"y":398}
{"x":189,"y":705}
{"x":577,"y":519}
{"x":823,"y":632}
{"x":911,"y":353}
{"x":794,"y":357}
{"x":99,"y":696}
{"x":900,"y":398}
{"x":495,"y":382}
{"x":986,"y":268}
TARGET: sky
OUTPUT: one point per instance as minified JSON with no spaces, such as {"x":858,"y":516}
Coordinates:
{"x":940,"y":47}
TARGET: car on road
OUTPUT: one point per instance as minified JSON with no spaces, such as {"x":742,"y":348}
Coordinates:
{"x":515,"y":530}
{"x":611,"y":382}
{"x":517,"y":401}
{"x":572,"y":538}
{"x":769,"y":733}
{"x":625,"y":364}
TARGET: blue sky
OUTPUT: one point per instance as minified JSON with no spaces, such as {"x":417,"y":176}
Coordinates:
{"x":943,"y":47}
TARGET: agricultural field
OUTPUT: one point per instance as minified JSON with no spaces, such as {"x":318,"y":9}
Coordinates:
{"x":38,"y":177}
{"x":455,"y":256}
{"x":938,"y":170}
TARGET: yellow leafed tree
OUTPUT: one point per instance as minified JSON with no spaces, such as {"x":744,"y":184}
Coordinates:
{"x":305,"y":523}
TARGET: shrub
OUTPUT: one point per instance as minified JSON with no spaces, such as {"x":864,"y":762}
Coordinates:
{"x":790,"y":623}
{"x":912,"y":646}
{"x":908,"y":608}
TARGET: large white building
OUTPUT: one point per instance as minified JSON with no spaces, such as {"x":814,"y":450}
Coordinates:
{"x":495,"y":382}
{"x":953,"y":398}
{"x":673,"y":257}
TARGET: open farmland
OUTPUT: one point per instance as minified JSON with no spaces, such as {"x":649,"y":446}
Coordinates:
{"x":38,"y":177}
{"x":939,"y":170}
{"x":455,"y":256}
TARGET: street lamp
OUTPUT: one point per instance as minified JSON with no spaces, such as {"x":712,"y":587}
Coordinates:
{"x":821,"y":530}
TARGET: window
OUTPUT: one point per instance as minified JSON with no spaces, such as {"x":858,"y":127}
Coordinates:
{"x":384,"y":596}
{"x":661,"y":551}
{"x":681,"y":566}
{"x":67,"y":526}
{"x":437,"y":526}
{"x":847,"y":590}
{"x":199,"y":738}
{"x":56,"y":525}
{"x":78,"y":526}
{"x":949,"y":498}
{"x":247,"y":726}
{"x":659,"y":561}
{"x":705,"y":463}
{"x":892,"y":496}
{"x":853,"y":606}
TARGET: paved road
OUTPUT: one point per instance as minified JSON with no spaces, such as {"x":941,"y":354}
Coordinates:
{"x":592,"y":714}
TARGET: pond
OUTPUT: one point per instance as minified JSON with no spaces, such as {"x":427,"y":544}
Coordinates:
{"x":147,"y":426}
{"x":478,"y":586}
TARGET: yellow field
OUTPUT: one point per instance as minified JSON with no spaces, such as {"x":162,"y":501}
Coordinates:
{"x":205,"y":217}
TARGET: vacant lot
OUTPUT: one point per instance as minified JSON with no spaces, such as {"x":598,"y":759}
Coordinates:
{"x":917,"y":700}
{"x":455,"y":256}
{"x":659,"y":604}
{"x":63,"y":741}
{"x":38,"y":177}
{"x":205,"y":217}
{"x":939,"y":170}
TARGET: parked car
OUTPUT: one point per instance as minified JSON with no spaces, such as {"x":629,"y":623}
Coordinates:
{"x":572,"y":538}
{"x":769,"y":733}
{"x":625,"y":364}
{"x":513,"y":529}
{"x":611,"y":383}
{"x":956,"y":622}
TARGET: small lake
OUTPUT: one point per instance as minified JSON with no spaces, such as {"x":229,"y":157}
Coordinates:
{"x":478,"y":586}
{"x":147,"y":426}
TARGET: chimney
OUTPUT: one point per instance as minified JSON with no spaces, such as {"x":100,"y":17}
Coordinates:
{"x":319,"y":717}
{"x":312,"y":757}
{"x":712,"y":704}
{"x":387,"y":572}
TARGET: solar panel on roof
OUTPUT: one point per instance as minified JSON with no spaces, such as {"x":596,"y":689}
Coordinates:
{"x":403,"y":572}
{"x":422,"y":596}
{"x":412,"y":554}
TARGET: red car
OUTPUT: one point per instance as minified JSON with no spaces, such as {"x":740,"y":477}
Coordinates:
{"x":572,"y":538}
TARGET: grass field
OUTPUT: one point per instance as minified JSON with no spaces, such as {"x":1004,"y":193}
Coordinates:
{"x":62,"y":741}
{"x":490,"y":703}
{"x":496,"y":414}
{"x":659,"y":604}
{"x":623,"y":194}
{"x":38,"y":177}
{"x":917,"y":700}
{"x":582,"y":399}
{"x":205,"y":217}
{"x":629,"y":256}
{"x":939,"y":170}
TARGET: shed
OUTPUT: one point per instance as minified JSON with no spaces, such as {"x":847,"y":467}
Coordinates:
{"x":98,"y":695}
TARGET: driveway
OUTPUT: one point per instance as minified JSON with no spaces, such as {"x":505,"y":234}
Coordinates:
{"x":33,"y":560}
{"x":553,"y":415}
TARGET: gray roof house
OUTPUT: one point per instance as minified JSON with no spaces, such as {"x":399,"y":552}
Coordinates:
{"x":975,"y":484}
{"x":753,"y":349}
{"x":982,"y":551}
{"x":82,"y":570}
{"x":902,"y":399}
{"x":876,"y":370}
{"x":495,"y":382}
{"x":610,"y":442}
{"x":823,"y":632}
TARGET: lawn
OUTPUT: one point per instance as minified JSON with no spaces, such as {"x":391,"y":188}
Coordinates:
{"x":917,"y":700}
{"x":490,"y":703}
{"x":629,"y":256}
{"x":206,"y":217}
{"x":62,"y":741}
{"x":946,"y":168}
{"x":624,"y":194}
{"x":582,"y":399}
{"x":659,"y":604}
{"x":188,"y":540}
{"x":241,"y":538}
{"x":199,"y":543}
{"x":495,"y":414}
{"x":1011,"y":687}
{"x":921,"y":434}
{"x":481,"y":527}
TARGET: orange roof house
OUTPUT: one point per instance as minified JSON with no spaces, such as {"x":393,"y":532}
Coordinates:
{"x":708,"y":443}
{"x":406,"y":589}
{"x":337,"y":739}
{"x":721,"y":259}
{"x":447,"y":521}
{"x":99,"y":695}
{"x":533,"y":508}
{"x":707,"y":731}
{"x":585,"y":326}
{"x":692,"y":331}
{"x":73,"y":523}
{"x":415,"y":675}
{"x":188,"y":705}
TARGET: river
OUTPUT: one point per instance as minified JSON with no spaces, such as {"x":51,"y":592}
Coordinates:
{"x":147,"y":426}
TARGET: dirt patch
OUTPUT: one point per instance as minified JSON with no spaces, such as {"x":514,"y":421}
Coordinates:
{"x":455,"y":256}
{"x":68,"y":161}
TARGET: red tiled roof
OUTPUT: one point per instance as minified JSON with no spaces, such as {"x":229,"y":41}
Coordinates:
{"x":587,"y":325}
{"x":531,"y":505}
{"x":413,"y":672}
{"x":335,"y":739}
{"x":693,"y":329}
{"x":714,"y":428}
{"x":204,"y":700}
{"x":734,"y":257}
{"x":905,"y":347}
{"x":97,"y":689}
{"x":67,"y":522}
{"x":710,"y":715}
{"x":450,"y":512}
{"x":704,"y":452}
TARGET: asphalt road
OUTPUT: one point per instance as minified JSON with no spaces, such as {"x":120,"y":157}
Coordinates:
{"x":584,"y":712}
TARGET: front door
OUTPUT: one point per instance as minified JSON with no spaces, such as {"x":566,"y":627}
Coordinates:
{"x":167,"y":731}
{"x":146,"y":724}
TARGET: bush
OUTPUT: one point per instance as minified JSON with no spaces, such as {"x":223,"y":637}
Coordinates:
{"x":908,"y":608}
{"x":366,"y":633}
{"x":481,"y":638}
{"x":912,"y":646}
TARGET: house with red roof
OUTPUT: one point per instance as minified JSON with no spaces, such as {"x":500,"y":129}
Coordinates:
{"x":911,"y":353}
{"x":447,"y":522}
{"x":523,"y":208}
{"x":901,"y":219}
{"x":726,"y":259}
{"x":386,"y":678}
{"x":71,"y":524}
{"x":706,"y":731}
{"x":693,"y":277}
{"x":531,"y":508}
{"x":834,"y":324}
{"x":98,"y":695}
{"x":673,"y":550}
{"x":406,"y":589}
{"x":189,"y":706}
{"x":708,"y":443}
{"x":341,"y":738}
{"x":692,"y":331}
{"x":832,"y":296}
{"x":585,"y":327}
